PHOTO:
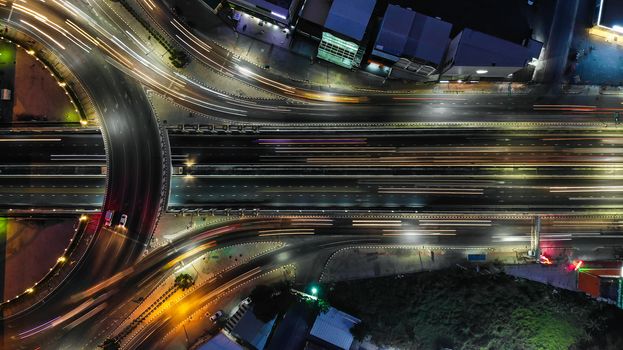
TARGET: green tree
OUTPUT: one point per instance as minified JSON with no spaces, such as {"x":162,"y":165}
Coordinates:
{"x":184,"y":281}
{"x":110,"y":344}
{"x":178,"y":58}
{"x":270,"y":301}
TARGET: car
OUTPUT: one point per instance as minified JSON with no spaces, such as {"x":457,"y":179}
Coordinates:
{"x":217,"y":315}
{"x":108,"y":217}
{"x":246,"y":301}
{"x":124,"y":220}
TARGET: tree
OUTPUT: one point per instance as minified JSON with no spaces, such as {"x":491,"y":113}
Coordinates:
{"x":110,"y":344}
{"x":359,"y":331}
{"x":184,"y":281}
{"x":178,"y":58}
{"x":270,"y":301}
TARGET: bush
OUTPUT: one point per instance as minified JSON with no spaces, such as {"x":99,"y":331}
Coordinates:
{"x":465,"y":310}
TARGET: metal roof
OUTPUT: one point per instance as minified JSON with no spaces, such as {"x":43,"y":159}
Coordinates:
{"x":334,"y":328}
{"x":610,"y":13}
{"x":478,"y":49}
{"x":220,"y":342}
{"x":407,"y":33}
{"x":350,"y":18}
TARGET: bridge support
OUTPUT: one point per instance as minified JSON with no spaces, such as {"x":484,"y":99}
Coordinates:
{"x":535,"y":237}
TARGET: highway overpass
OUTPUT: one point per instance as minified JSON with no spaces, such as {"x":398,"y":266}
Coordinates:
{"x":46,"y":170}
{"x":398,"y":169}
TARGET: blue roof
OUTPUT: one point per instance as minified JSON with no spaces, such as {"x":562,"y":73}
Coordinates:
{"x":253,"y":330}
{"x":334,"y":327}
{"x":479,"y":49}
{"x":407,"y":33}
{"x":350,"y":18}
{"x":220,"y":342}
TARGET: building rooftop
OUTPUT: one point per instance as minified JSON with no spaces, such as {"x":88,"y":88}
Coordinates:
{"x":281,"y":3}
{"x":252,"y":330}
{"x":350,"y":18}
{"x":316,"y":11}
{"x":611,"y":14}
{"x":220,"y":342}
{"x":404,"y":32}
{"x":334,"y":328}
{"x":479,"y":49}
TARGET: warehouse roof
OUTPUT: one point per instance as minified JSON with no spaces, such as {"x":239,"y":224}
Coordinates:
{"x":407,"y":33}
{"x":350,"y":18}
{"x":334,"y":328}
{"x":479,"y":49}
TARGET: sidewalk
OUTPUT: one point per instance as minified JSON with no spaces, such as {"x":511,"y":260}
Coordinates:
{"x":393,"y":259}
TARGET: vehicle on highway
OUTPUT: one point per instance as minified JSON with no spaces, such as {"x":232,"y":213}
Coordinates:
{"x":124,"y":220}
{"x":246,"y":301}
{"x":216,"y":316}
{"x":108,"y":217}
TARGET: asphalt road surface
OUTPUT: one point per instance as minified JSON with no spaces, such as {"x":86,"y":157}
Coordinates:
{"x":48,"y":170}
{"x":427,"y":170}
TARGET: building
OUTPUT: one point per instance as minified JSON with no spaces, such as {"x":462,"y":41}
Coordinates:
{"x":412,"y":44}
{"x":474,"y":55}
{"x":248,"y":329}
{"x":281,"y":12}
{"x":221,"y":342}
{"x":609,"y":15}
{"x":331,"y":330}
{"x":312,"y":17}
{"x":608,"y":20}
{"x":602,"y":280}
{"x":344,"y":30}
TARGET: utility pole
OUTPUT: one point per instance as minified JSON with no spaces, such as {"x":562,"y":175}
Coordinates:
{"x":535,"y":237}
{"x":186,"y":333}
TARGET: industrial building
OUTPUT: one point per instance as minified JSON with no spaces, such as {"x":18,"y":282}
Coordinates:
{"x":281,"y":12}
{"x":475,"y":55}
{"x":411,"y":44}
{"x":344,"y":30}
{"x":602,"y":280}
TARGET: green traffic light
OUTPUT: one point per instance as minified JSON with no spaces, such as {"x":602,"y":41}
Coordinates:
{"x":314,"y":290}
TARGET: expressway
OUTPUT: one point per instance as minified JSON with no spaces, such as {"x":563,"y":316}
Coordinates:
{"x":403,"y":169}
{"x":97,"y":45}
{"x":47,"y":170}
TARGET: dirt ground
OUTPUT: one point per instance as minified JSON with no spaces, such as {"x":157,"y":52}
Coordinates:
{"x":38,"y":96}
{"x":32,"y":248}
